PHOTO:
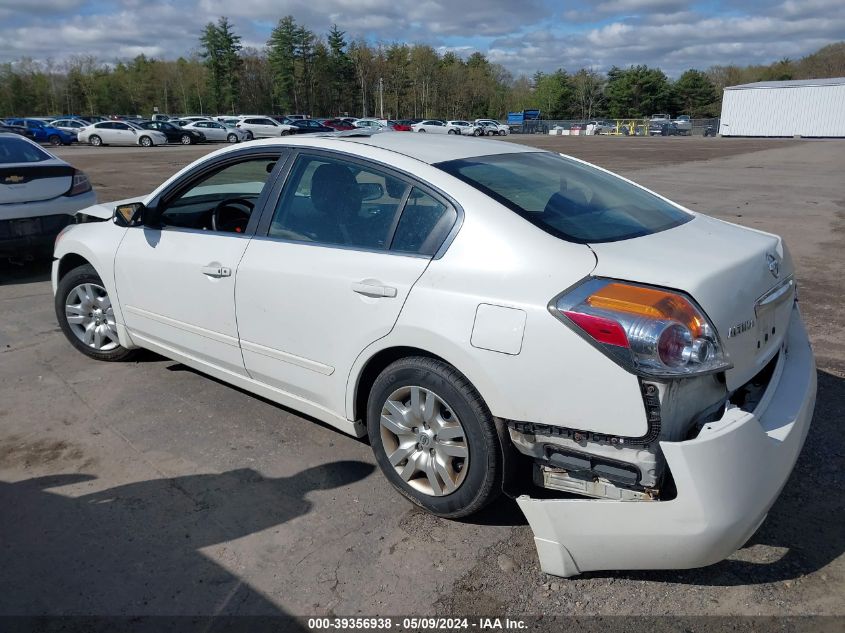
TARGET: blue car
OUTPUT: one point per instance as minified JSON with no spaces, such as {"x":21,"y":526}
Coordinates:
{"x":44,"y":133}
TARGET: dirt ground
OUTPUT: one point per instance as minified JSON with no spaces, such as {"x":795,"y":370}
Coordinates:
{"x":202,"y":499}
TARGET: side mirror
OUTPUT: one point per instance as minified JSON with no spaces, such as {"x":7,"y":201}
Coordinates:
{"x":131,"y":214}
{"x":370,"y":191}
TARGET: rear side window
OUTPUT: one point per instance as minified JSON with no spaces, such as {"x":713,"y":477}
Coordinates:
{"x":424,"y":224}
{"x":566,"y":198}
{"x":16,"y":150}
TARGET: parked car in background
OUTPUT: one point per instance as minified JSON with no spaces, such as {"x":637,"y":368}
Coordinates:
{"x":311,"y":126}
{"x":499,"y":129}
{"x":218,"y":132}
{"x":71,"y":126}
{"x":602,"y":127}
{"x":195,"y":117}
{"x":399,"y":126}
{"x":45,"y":133}
{"x":490,"y":316}
{"x":21,"y":130}
{"x":464,"y":128}
{"x":341,"y":125}
{"x":368,"y":123}
{"x":684,"y":124}
{"x":39,"y":194}
{"x":174,"y":133}
{"x":264,"y":127}
{"x":297,"y":117}
{"x":432,"y":126}
{"x":120,"y":133}
{"x":664,"y":128}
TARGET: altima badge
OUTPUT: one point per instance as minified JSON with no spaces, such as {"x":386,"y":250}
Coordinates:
{"x":739,"y":328}
{"x":774,"y":265}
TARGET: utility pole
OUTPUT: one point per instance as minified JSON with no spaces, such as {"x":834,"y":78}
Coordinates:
{"x":381,"y":97}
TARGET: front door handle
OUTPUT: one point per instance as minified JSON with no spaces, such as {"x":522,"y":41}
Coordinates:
{"x":374,"y":290}
{"x":216,"y":271}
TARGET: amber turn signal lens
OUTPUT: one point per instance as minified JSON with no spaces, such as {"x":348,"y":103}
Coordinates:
{"x":647,"y":302}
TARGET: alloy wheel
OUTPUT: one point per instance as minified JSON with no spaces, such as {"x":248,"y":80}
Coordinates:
{"x":90,"y":314}
{"x":424,"y":441}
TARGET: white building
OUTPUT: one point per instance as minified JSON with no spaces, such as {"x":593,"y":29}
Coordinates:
{"x":806,"y":107}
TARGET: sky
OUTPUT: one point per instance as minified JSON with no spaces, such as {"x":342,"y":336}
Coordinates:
{"x":523,"y":35}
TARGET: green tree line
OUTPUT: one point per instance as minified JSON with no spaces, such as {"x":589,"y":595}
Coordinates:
{"x":300,"y":71}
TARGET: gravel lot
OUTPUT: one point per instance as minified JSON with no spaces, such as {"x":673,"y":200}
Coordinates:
{"x":147,"y":488}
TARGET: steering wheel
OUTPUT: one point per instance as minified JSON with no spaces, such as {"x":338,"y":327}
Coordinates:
{"x":239,"y":216}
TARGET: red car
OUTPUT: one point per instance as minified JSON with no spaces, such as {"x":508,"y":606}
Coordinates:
{"x":338,"y":124}
{"x":399,"y":126}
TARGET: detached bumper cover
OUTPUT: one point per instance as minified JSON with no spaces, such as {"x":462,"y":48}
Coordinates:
{"x":727,"y":479}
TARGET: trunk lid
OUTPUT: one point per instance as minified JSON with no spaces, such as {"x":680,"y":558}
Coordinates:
{"x":34,"y":182}
{"x":740,"y":277}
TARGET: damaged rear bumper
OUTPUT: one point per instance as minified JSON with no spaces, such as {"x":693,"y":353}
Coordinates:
{"x":727,"y":478}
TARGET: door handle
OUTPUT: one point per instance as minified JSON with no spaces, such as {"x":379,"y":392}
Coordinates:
{"x":216,"y":271}
{"x":374,"y":290}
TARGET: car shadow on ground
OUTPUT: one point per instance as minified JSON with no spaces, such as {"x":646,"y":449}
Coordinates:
{"x":803,"y":532}
{"x":137,"y":549}
{"x":24,"y":272}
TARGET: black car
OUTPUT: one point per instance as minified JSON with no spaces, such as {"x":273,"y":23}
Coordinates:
{"x":665,"y":129}
{"x":310,"y":126}
{"x":174,"y":133}
{"x":17,"y":129}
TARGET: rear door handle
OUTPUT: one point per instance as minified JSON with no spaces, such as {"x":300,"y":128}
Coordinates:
{"x":216,"y":271}
{"x":374,"y":290}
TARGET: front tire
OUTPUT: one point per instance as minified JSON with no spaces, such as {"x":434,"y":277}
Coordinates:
{"x":232,"y":138}
{"x":54,"y":140}
{"x":434,"y":437}
{"x":145,"y":141}
{"x":86,"y":316}
{"x":186,"y":139}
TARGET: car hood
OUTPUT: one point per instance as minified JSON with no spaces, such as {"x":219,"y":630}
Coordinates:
{"x":741,"y":278}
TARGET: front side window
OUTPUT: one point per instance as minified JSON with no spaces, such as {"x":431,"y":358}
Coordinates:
{"x":566,"y":198}
{"x":222,"y":200}
{"x":337,"y":202}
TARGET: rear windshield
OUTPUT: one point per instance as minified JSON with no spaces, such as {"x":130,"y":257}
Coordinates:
{"x":17,"y":150}
{"x":566,"y":198}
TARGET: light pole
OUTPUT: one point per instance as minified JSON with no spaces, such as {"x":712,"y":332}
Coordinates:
{"x":381,"y":97}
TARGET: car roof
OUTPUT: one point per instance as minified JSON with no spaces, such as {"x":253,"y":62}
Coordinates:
{"x":427,"y":148}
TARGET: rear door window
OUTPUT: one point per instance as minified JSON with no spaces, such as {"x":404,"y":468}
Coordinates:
{"x":424,"y":224}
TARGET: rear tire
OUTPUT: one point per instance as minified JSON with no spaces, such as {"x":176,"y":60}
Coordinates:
{"x":434,"y":437}
{"x":86,"y":317}
{"x":421,"y":131}
{"x":95,"y":140}
{"x":54,"y":140}
{"x":232,"y":138}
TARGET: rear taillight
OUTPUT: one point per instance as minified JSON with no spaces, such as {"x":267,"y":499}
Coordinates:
{"x":80,"y":184}
{"x":648,"y":330}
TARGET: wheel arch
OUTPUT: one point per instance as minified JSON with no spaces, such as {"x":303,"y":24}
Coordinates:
{"x":69,"y":261}
{"x":376,"y":364}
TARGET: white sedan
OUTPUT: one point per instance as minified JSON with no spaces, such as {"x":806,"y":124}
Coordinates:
{"x":432,"y":126}
{"x":464,"y":128}
{"x":264,"y":127}
{"x":462,"y":304}
{"x":218,"y":132}
{"x":120,"y":133}
{"x":493,"y":128}
{"x":39,"y":195}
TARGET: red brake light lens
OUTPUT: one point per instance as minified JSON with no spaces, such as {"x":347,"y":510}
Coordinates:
{"x":79,"y":185}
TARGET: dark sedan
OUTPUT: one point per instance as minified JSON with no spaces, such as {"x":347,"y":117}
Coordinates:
{"x":310,"y":126}
{"x":340,"y":125}
{"x":174,"y":133}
